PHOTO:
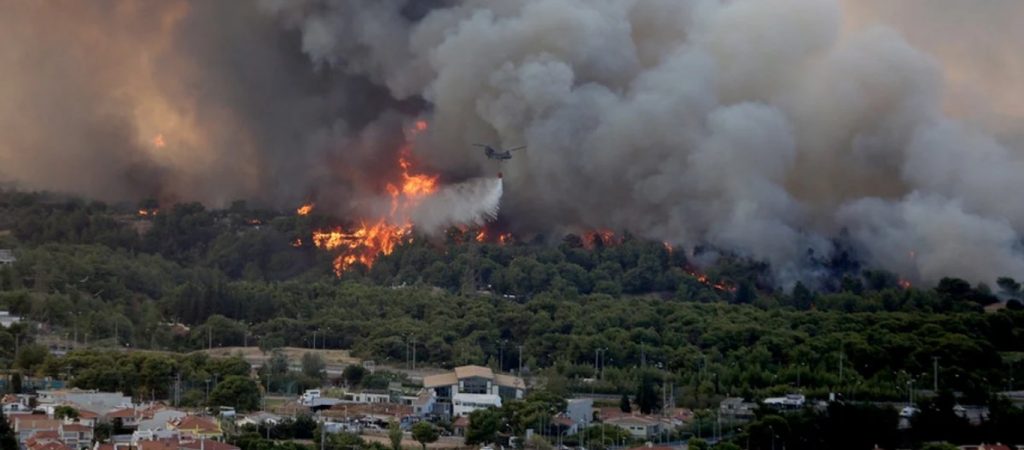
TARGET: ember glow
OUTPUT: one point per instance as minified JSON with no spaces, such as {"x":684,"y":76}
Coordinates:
{"x":372,"y":239}
{"x":148,"y":212}
{"x":702,"y":278}
{"x":304,"y":210}
{"x":600,"y":238}
{"x":158,"y":141}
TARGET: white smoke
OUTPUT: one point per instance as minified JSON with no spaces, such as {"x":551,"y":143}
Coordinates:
{"x":473,"y":202}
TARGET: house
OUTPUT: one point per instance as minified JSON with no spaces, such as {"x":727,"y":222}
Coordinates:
{"x":470,"y":388}
{"x":128,"y":417}
{"x":92,"y":400}
{"x":424,"y":403}
{"x":7,"y":257}
{"x":367,"y":397}
{"x":206,"y":445}
{"x":790,"y":401}
{"x":14,"y":404}
{"x":638,"y":426}
{"x":25,"y":425}
{"x":6,"y":319}
{"x":737,"y":408}
{"x":45,"y":440}
{"x":76,"y":435}
{"x":196,"y":427}
{"x":158,"y":419}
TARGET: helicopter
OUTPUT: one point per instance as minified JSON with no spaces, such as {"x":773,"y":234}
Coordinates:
{"x":499,"y":154}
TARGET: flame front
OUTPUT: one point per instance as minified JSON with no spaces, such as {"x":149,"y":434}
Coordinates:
{"x":304,"y":210}
{"x":373,"y":239}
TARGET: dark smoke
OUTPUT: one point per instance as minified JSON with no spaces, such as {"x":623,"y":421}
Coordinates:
{"x":761,"y":127}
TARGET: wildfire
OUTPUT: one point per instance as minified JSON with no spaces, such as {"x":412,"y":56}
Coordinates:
{"x":505,"y":238}
{"x":481,"y":236}
{"x":158,"y":141}
{"x":702,"y":278}
{"x":148,"y":212}
{"x":304,"y":210}
{"x":297,"y":243}
{"x":373,"y":239}
{"x":904,"y":283}
{"x":599,"y":238}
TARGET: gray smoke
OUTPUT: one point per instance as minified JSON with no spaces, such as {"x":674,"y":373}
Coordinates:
{"x":761,"y":127}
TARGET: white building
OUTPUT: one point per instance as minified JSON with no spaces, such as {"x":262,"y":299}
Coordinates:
{"x":6,"y":319}
{"x":7,"y":257}
{"x":790,"y":401}
{"x":470,"y":388}
{"x":638,"y":426}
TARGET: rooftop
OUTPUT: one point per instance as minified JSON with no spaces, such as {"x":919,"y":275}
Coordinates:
{"x":464,"y":372}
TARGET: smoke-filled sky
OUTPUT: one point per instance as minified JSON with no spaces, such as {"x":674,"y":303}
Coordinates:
{"x":761,"y":127}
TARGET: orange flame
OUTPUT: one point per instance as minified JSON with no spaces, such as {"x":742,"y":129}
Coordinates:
{"x":904,"y":283}
{"x":599,"y":237}
{"x":505,"y":239}
{"x":158,"y":141}
{"x":305,"y":209}
{"x":148,"y":212}
{"x":297,"y":243}
{"x":371,"y":240}
{"x":481,"y":236}
{"x":721,"y":285}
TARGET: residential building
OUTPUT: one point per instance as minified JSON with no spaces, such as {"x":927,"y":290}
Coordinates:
{"x":128,"y":416}
{"x":92,"y":400}
{"x":638,"y":426}
{"x":470,"y":388}
{"x":790,"y":401}
{"x":7,"y":257}
{"x":367,"y":397}
{"x":45,"y":440}
{"x":737,"y":408}
{"x":197,"y":427}
{"x":76,"y":435}
{"x":157,"y":420}
{"x":25,"y":425}
{"x":7,"y":319}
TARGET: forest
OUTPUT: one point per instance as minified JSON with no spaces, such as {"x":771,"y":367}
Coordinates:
{"x":590,"y":311}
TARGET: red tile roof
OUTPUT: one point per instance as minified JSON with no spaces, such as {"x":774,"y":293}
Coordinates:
{"x":208,"y":444}
{"x":124,"y":412}
{"x":35,"y":422}
{"x":159,"y":444}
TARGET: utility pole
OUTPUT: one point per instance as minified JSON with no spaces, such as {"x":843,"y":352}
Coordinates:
{"x":414,"y":353}
{"x":520,"y":372}
{"x":935,"y":371}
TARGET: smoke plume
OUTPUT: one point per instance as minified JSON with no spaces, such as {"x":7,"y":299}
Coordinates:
{"x":764,"y":128}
